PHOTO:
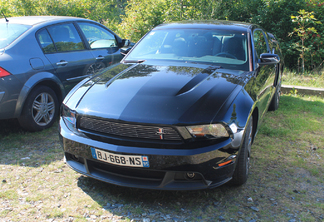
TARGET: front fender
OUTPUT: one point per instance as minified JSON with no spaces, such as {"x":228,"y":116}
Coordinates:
{"x":236,"y":115}
{"x":237,"y":109}
{"x":33,"y":81}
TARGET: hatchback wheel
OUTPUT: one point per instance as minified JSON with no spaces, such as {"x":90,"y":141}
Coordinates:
{"x":40,"y":109}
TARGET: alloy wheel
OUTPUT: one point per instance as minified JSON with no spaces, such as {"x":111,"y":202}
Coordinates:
{"x":43,"y":109}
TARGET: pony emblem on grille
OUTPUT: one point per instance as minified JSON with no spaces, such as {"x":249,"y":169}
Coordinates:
{"x":161,"y":132}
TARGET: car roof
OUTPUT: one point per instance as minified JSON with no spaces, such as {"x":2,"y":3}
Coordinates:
{"x":207,"y":24}
{"x":34,"y":20}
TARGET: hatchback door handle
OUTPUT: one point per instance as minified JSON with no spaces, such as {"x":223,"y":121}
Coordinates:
{"x":61,"y":63}
{"x":100,"y":58}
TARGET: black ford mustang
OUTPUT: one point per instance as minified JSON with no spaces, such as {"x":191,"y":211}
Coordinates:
{"x":180,"y":111}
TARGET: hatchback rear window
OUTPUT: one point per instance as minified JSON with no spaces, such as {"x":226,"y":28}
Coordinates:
{"x":9,"y":32}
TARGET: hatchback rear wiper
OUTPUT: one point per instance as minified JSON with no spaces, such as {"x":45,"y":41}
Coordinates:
{"x":134,"y":61}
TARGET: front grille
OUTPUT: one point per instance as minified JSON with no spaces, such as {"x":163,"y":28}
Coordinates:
{"x":129,"y":130}
{"x":136,"y":173}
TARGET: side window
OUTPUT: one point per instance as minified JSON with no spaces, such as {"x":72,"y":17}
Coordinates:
{"x":65,"y":37}
{"x":259,"y":43}
{"x":46,"y":42}
{"x":97,"y":36}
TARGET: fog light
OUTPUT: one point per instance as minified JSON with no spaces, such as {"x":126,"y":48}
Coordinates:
{"x":74,"y":157}
{"x":191,"y":175}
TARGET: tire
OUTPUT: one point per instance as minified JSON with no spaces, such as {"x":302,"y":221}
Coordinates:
{"x":40,"y":110}
{"x":274,"y":104}
{"x":241,"y":172}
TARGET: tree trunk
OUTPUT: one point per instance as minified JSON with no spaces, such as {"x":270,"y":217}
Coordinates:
{"x":303,"y":59}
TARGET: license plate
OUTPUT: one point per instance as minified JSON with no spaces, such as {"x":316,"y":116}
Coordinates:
{"x":121,"y":160}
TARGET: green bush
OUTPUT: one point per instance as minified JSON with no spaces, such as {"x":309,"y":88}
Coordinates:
{"x":98,"y":10}
{"x":133,"y":18}
{"x":141,"y":16}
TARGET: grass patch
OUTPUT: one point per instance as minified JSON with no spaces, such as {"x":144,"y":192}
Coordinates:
{"x":8,"y":194}
{"x":309,"y":79}
{"x":286,"y":180}
{"x":274,"y":132}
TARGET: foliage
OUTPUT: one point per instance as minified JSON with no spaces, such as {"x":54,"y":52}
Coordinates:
{"x":276,"y":18}
{"x":98,"y":10}
{"x":315,"y":58}
{"x":304,"y":31}
{"x":141,"y":17}
{"x":133,"y":18}
{"x":274,"y":15}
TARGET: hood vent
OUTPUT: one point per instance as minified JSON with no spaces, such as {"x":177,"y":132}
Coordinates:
{"x":198,"y":79}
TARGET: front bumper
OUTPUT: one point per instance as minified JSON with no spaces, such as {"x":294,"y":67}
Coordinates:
{"x":170,"y":169}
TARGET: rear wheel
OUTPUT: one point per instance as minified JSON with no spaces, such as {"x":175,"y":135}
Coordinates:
{"x":274,"y":104}
{"x":243,"y":162}
{"x":40,"y":109}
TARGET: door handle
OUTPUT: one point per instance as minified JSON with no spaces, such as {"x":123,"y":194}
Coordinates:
{"x":100,"y":58}
{"x":61,"y":63}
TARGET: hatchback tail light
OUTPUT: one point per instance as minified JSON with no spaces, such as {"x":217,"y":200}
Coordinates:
{"x":4,"y":72}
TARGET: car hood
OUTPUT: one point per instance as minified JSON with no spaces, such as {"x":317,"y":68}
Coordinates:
{"x":146,"y":93}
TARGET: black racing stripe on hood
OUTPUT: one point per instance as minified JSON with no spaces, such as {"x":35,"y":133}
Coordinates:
{"x":198,"y":79}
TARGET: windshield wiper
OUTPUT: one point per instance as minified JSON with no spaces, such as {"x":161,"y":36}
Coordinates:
{"x":134,"y":61}
{"x":203,"y":62}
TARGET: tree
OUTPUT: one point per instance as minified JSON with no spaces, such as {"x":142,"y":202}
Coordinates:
{"x":304,"y":31}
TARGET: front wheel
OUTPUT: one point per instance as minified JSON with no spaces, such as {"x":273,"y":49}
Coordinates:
{"x":40,"y":110}
{"x":243,"y":162}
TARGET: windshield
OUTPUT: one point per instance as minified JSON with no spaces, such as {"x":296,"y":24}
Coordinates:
{"x":10,"y":32}
{"x":224,"y":48}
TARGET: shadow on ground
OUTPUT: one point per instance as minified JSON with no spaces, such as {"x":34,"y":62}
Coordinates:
{"x":138,"y":204}
{"x":9,"y":126}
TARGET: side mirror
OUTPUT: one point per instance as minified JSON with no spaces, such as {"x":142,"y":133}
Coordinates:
{"x":126,"y":43}
{"x":269,"y":59}
{"x":126,"y":46}
{"x":125,"y":51}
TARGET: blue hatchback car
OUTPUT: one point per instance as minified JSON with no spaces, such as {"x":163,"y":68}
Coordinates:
{"x":43,"y":57}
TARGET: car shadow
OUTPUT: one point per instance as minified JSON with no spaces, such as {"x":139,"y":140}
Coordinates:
{"x":133,"y":203}
{"x":9,"y":126}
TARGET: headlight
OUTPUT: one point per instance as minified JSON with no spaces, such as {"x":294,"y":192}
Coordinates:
{"x":211,"y":131}
{"x":69,"y":118}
